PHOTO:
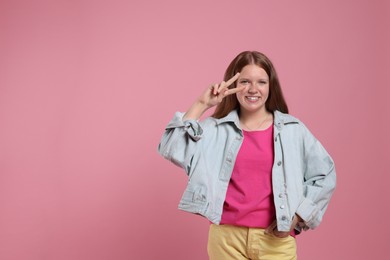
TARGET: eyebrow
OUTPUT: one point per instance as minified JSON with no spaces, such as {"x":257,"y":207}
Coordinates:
{"x":259,"y":79}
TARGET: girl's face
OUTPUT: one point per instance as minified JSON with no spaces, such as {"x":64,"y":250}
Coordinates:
{"x":256,"y":82}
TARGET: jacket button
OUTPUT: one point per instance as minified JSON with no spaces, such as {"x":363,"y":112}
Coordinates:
{"x":279,"y":163}
{"x":282,"y":206}
{"x":284,"y":218}
{"x":280,"y":195}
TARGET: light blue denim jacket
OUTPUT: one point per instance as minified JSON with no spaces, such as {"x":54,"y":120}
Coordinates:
{"x":303,"y":173}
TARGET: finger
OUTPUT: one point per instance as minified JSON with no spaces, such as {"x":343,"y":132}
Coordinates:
{"x":234,"y":90}
{"x":215,"y":89}
{"x":270,"y":228}
{"x":234,"y":78}
{"x":226,"y":84}
{"x":222,"y":86}
{"x":281,"y":234}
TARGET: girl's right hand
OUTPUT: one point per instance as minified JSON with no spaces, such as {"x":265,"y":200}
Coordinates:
{"x":214,"y":94}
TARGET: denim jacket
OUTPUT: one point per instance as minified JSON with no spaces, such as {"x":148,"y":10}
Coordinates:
{"x":303,"y":173}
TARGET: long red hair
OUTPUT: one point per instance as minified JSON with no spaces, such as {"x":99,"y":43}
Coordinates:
{"x":275,"y":99}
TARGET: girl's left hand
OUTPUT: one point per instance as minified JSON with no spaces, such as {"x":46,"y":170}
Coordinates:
{"x":273,"y":229}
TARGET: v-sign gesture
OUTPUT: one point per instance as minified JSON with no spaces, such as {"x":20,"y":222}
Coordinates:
{"x":212,"y":96}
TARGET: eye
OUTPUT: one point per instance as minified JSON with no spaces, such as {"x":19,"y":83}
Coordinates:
{"x":263,"y":82}
{"x":244,"y":81}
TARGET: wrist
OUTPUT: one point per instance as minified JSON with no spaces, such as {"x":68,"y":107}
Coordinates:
{"x":196,"y":110}
{"x":299,"y":219}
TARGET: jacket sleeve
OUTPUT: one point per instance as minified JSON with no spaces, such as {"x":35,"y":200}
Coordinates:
{"x":319,"y":182}
{"x":179,"y":141}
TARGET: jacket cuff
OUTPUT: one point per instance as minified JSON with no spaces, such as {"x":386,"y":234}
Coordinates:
{"x":308,"y":211}
{"x":192,"y":127}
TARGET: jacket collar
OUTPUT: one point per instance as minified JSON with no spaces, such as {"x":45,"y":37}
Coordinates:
{"x":280,"y":119}
{"x":232,"y":117}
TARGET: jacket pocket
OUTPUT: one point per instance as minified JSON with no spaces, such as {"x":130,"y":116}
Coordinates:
{"x":194,"y":201}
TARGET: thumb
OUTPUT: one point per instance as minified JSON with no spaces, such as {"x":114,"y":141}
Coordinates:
{"x":269,"y":230}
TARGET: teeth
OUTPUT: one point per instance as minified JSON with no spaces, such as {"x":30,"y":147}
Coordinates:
{"x":252,"y":98}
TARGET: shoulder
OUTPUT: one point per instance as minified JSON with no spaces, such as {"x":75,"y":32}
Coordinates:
{"x":290,"y":123}
{"x":216,"y":126}
{"x":283,"y":118}
{"x":232,"y":117}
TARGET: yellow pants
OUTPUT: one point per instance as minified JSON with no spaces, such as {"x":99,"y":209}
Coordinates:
{"x":230,"y":242}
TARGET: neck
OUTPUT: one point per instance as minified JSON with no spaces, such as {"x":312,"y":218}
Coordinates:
{"x":253,"y":116}
{"x":256,"y":121}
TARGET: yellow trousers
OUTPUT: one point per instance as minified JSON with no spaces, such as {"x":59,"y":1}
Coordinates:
{"x":228,"y":242}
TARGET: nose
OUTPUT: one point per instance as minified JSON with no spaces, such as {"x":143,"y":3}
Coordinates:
{"x":252,"y":88}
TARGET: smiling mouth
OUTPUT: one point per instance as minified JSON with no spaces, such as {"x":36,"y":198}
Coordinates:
{"x":252,"y":98}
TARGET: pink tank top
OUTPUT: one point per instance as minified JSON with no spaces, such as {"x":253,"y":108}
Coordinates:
{"x":249,"y":200}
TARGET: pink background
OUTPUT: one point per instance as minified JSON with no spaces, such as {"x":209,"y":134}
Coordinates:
{"x":87,"y":87}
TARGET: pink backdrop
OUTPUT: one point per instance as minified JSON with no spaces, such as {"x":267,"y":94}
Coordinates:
{"x":87,"y":87}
